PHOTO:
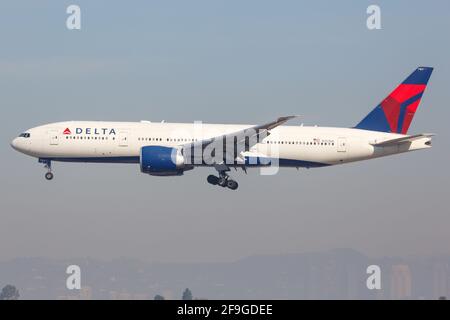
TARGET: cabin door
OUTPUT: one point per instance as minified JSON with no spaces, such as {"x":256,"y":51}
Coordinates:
{"x":123,"y":139}
{"x":53,"y":136}
{"x":342,"y":145}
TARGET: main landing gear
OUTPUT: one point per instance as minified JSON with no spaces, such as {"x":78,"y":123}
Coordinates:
{"x":48,"y":166}
{"x":223,"y":180}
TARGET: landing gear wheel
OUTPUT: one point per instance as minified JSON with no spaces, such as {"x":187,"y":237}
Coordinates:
{"x":222,"y":181}
{"x":231,"y":184}
{"x":47,"y":165}
{"x":212,"y":179}
{"x":49,"y":176}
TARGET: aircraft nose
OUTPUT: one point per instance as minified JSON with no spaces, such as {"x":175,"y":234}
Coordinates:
{"x":14,"y":143}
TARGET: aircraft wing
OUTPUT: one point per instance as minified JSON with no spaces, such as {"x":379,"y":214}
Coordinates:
{"x":240,"y":141}
{"x":396,"y":141}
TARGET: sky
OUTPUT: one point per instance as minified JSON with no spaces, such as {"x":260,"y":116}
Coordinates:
{"x":221,"y":62}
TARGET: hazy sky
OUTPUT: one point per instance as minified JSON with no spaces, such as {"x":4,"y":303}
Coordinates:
{"x":221,"y":61}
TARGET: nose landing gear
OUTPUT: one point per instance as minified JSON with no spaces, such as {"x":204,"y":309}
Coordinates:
{"x":49,"y":176}
{"x":48,"y":166}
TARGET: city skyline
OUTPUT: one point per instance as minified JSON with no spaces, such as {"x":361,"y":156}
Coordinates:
{"x":333,"y":274}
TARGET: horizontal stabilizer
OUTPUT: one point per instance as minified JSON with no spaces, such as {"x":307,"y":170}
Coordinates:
{"x":393,"y":142}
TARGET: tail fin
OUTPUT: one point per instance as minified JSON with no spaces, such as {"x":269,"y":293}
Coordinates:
{"x":395,"y":113}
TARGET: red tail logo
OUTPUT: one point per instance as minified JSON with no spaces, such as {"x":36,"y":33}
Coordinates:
{"x":395,"y":113}
{"x":67,"y":131}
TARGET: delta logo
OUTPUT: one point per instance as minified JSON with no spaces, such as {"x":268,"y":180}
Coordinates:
{"x":91,"y":131}
{"x":95,"y":131}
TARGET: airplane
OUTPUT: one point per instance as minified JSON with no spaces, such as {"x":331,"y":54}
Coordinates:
{"x":170,"y":149}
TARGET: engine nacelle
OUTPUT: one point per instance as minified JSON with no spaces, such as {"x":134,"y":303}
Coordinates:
{"x":162,"y":161}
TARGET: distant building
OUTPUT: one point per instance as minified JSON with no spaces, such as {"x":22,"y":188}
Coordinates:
{"x":86,"y":293}
{"x":140,"y":296}
{"x":401,"y":282}
{"x":113,"y":295}
{"x":440,"y":280}
{"x":122,"y":295}
{"x":125,"y":296}
{"x":68,"y":297}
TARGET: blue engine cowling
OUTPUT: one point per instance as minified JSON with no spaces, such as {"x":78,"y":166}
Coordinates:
{"x":162,"y":161}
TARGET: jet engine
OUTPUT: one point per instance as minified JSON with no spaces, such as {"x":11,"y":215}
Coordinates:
{"x":163,"y":161}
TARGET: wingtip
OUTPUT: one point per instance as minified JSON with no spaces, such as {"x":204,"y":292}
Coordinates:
{"x":291,"y":116}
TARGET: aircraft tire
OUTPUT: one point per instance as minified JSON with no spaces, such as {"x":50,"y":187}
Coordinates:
{"x":212,"y":179}
{"x":231,"y":184}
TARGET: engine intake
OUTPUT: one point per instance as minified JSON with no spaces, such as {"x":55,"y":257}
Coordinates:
{"x":162,"y":161}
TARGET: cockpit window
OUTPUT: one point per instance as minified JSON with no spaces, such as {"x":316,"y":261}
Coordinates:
{"x":24,"y":135}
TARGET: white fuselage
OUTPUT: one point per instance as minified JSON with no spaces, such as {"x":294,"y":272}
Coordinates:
{"x":293,"y":146}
